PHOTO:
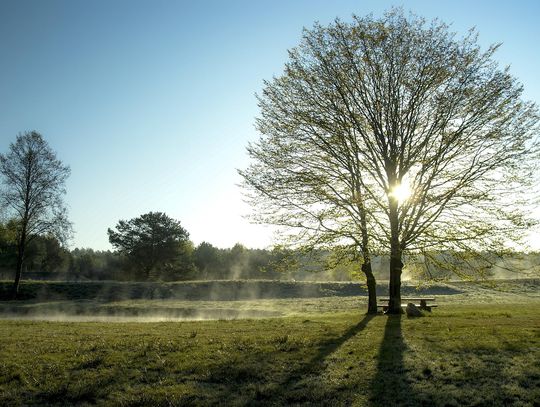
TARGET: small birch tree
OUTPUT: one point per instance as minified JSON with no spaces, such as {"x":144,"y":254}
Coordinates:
{"x":33,"y":186}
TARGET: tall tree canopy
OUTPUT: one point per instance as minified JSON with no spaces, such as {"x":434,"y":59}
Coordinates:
{"x":369,"y":110}
{"x":151,"y":241}
{"x":33,"y":186}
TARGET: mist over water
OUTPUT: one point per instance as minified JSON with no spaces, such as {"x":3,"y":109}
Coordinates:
{"x":112,"y":301}
{"x":155,"y":316}
{"x":181,"y":301}
{"x":159,"y":302}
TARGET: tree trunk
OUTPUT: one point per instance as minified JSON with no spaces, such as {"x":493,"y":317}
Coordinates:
{"x":20,"y":261}
{"x":372,"y":287}
{"x":366,"y":255}
{"x":394,"y":289}
{"x":396,"y":265}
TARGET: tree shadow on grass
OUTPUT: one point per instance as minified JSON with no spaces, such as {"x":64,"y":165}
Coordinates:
{"x":332,"y":345}
{"x":391,"y":385}
{"x":261,"y":379}
{"x":296,"y":388}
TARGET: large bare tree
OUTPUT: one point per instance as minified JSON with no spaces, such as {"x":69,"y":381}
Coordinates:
{"x":33,"y":185}
{"x":416,"y":109}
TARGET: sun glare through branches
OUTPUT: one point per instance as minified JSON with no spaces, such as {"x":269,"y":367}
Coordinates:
{"x":401,"y":191}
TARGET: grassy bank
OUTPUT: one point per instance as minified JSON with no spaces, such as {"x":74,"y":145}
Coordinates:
{"x":224,"y":290}
{"x":460,"y":355}
{"x":212,"y":290}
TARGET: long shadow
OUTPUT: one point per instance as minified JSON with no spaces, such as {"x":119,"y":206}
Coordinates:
{"x":283,"y":393}
{"x":333,"y":345}
{"x":298,"y":386}
{"x":391,"y":386}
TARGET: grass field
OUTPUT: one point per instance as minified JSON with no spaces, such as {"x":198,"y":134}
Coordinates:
{"x":480,"y":347}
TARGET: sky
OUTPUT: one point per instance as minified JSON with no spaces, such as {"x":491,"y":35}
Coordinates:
{"x":152,"y":103}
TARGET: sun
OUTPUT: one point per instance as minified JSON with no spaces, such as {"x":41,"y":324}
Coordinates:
{"x":401,"y":192}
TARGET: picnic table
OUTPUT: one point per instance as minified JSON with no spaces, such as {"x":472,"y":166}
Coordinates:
{"x":424,"y":303}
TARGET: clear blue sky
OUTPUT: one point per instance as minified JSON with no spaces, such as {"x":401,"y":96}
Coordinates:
{"x":152,"y":103}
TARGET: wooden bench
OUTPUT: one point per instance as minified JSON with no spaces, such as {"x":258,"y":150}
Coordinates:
{"x":423,"y":303}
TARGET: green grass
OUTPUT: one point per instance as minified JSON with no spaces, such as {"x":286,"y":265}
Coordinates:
{"x":324,"y":352}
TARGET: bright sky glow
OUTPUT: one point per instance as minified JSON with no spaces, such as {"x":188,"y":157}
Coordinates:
{"x":152,"y":103}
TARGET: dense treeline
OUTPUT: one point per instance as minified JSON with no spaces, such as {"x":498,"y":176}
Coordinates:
{"x":46,"y":259}
{"x":154,"y":247}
